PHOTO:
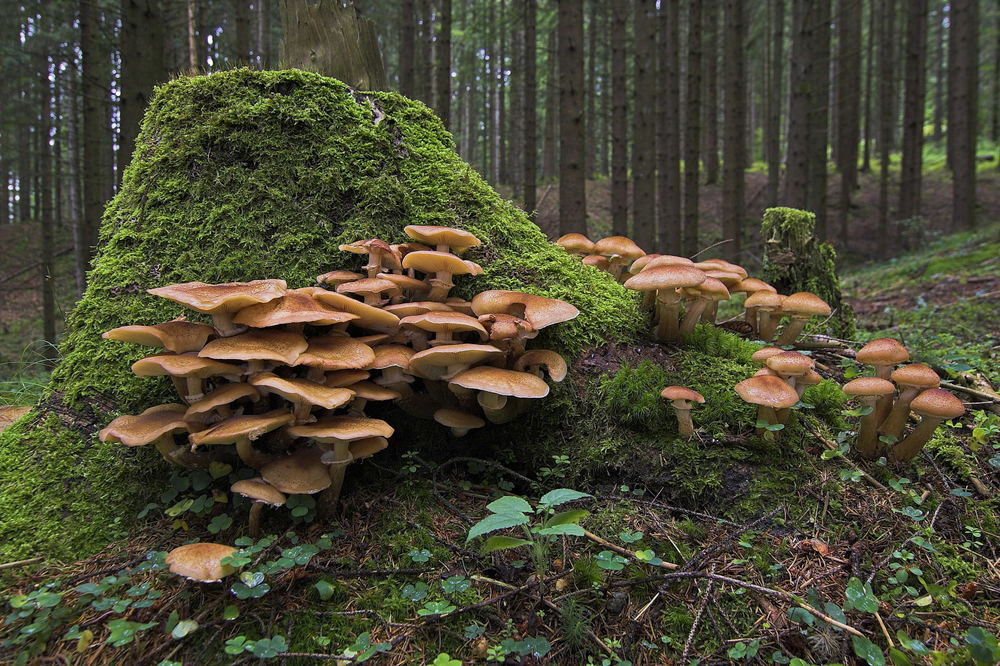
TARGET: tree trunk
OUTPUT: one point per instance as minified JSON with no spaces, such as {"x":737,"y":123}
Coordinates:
{"x":96,"y":78}
{"x":797,"y":160}
{"x":819,"y":111}
{"x":644,"y":124}
{"x":913,"y":110}
{"x":572,"y":179}
{"x":500,"y":88}
{"x":530,"y":102}
{"x":142,"y":68}
{"x":848,"y":103}
{"x":873,"y":12}
{"x":963,"y":109}
{"x":735,"y":129}
{"x":941,"y":57}
{"x":551,"y":110}
{"x":619,"y":119}
{"x":263,"y":33}
{"x":692,"y":130}
{"x":192,"y":35}
{"x":242,"y":13}
{"x":886,"y":108}
{"x":711,"y":107}
{"x":40,"y":44}
{"x":407,"y":50}
{"x":442,"y":50}
{"x":669,"y":131}
{"x":424,"y":63}
{"x":594,"y":35}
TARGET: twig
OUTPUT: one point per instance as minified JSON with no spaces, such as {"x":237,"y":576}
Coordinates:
{"x":697,"y":620}
{"x":626,"y":552}
{"x":993,"y":397}
{"x":21,"y":563}
{"x":833,"y":447}
{"x":361,"y":573}
{"x":668,"y":507}
{"x":724,"y":543}
{"x":721,"y":242}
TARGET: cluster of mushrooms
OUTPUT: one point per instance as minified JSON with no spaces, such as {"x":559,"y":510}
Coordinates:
{"x":282,"y":377}
{"x":672,"y":284}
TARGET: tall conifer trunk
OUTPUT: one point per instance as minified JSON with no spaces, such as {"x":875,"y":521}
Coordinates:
{"x":572,"y":179}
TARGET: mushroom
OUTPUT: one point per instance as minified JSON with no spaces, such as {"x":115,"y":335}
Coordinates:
{"x":934,"y":406}
{"x":767,"y":307}
{"x":409,"y":287}
{"x":911,"y":380}
{"x":297,"y":308}
{"x":393,"y":361}
{"x":681,"y":399}
{"x":336,"y":278}
{"x":222,"y":301}
{"x":304,"y":394}
{"x":538,"y":310}
{"x":369,"y":317}
{"x":508,"y":332}
{"x":157,"y":426}
{"x":764,"y":353}
{"x":620,"y":251}
{"x":444,"y":239}
{"x":597,"y":261}
{"x":576,"y":244}
{"x":217,"y":405}
{"x":666,"y":281}
{"x":242,"y":431}
{"x":302,"y":473}
{"x":365,"y":391}
{"x":802,"y":306}
{"x":449,"y":360}
{"x":256,"y":347}
{"x":884,"y":354}
{"x":769,"y":394}
{"x":201,"y":562}
{"x":868,"y":390}
{"x":496,"y":385}
{"x":444,"y":325}
{"x":344,"y":378}
{"x":460,"y":422}
{"x":381,"y":256}
{"x":709,"y":292}
{"x":790,"y":366}
{"x":374,"y":291}
{"x":260,"y":492}
{"x":442,"y":266}
{"x":334,"y":352}
{"x":369,"y":446}
{"x":186,"y":370}
{"x":751,"y":286}
{"x":534,"y":359}
{"x":177,"y":335}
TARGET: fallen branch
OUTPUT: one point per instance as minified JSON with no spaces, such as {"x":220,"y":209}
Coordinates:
{"x":21,"y":563}
{"x":833,"y":447}
{"x":627,"y":553}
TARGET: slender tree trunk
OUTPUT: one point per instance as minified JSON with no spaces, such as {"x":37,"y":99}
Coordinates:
{"x":551,"y":110}
{"x":142,"y":68}
{"x":692,"y":133}
{"x":443,"y":53}
{"x":492,"y":92}
{"x":963,"y":109}
{"x":848,"y":102}
{"x":819,"y":111}
{"x":242,"y":12}
{"x":619,"y":119}
{"x":424,"y":65}
{"x":886,"y":108}
{"x":941,"y":58}
{"x":711,"y":107}
{"x":262,"y":33}
{"x":797,"y":161}
{"x":772,"y":140}
{"x":95,"y":87}
{"x":503,"y":166}
{"x":644,"y":124}
{"x":530,"y":102}
{"x":25,"y":176}
{"x":873,"y":12}
{"x":40,"y":44}
{"x":913,"y":110}
{"x":572,"y":179}
{"x":515,"y":116}
{"x":669,"y":131}
{"x":192,"y":35}
{"x":594,"y":35}
{"x":73,"y":188}
{"x":605,"y":97}
{"x":735,"y":130}
{"x":407,"y":49}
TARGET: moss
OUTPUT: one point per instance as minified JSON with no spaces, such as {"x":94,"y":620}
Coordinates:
{"x":795,"y":260}
{"x":243,"y":175}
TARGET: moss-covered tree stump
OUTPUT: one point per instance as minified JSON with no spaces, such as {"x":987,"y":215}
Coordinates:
{"x":244,"y":175}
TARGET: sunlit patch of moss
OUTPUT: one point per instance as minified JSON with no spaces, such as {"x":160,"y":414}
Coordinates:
{"x":947,"y":450}
{"x":633,"y":396}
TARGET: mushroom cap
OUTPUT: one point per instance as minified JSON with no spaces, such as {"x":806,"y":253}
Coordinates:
{"x":259,"y":490}
{"x":391,"y":356}
{"x":404,"y":282}
{"x":388,"y":255}
{"x":342,"y":428}
{"x":767,"y":391}
{"x":458,"y":240}
{"x":183,"y":365}
{"x":811,"y":378}
{"x":681,"y":393}
{"x":937,"y":403}
{"x":456,"y":418}
{"x":432,"y":261}
{"x":869,"y":386}
{"x":721,"y":264}
{"x":727,"y":278}
{"x":297,"y":306}
{"x":417,"y":307}
{"x":538,"y":310}
{"x":502,"y":382}
{"x":369,"y":317}
{"x":336,"y":352}
{"x":618,"y":246}
{"x":236,"y":428}
{"x":301,"y":473}
{"x":216,"y":298}
{"x":761,"y":355}
{"x":883,"y":351}
{"x":362,"y":448}
{"x":224,"y":395}
{"x":765,"y":300}
{"x":178,"y":335}
{"x":338,"y":277}
{"x":806,"y":303}
{"x":9,"y":414}
{"x":258,"y":345}
{"x":665,"y":260}
{"x":303,"y":390}
{"x":369,"y":286}
{"x":406,"y":248}
{"x":642,"y":262}
{"x":372,"y":391}
{"x":373,"y":339}
{"x":201,"y":561}
{"x":916,"y":375}
{"x":459,"y":305}
{"x":753,"y":285}
{"x":433,"y":363}
{"x":598,"y":261}
{"x":342,"y":378}
{"x":669,"y":276}
{"x":507,"y":327}
{"x":553,"y":362}
{"x":146,"y":427}
{"x":575,"y":243}
{"x":712,"y":289}
{"x":439,"y":322}
{"x":790,"y":363}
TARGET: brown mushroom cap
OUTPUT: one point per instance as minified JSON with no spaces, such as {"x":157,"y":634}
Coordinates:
{"x":790,"y":363}
{"x":669,"y":276}
{"x":664,"y":260}
{"x":507,"y":327}
{"x":342,"y":428}
{"x":9,"y":414}
{"x":201,"y":561}
{"x":178,"y":335}
{"x":752,"y":286}
{"x":417,"y":307}
{"x":184,"y":365}
{"x":916,"y":375}
{"x":619,"y":246}
{"x":258,"y":345}
{"x":338,"y":277}
{"x":456,"y":418}
{"x":376,"y":286}
{"x":404,"y":282}
{"x":297,"y":306}
{"x":391,"y":356}
{"x":336,"y":352}
{"x":369,"y":317}
{"x":259,"y":490}
{"x":303,"y":391}
{"x":342,"y":378}
{"x":597,"y":261}
{"x":711,"y":289}
{"x":502,"y":382}
{"x":388,"y":256}
{"x":369,"y":446}
{"x":372,"y":391}
{"x":147,"y":427}
{"x":215,"y":298}
{"x":249,"y":426}
{"x":937,"y":403}
{"x":224,"y":395}
{"x":433,"y":363}
{"x":869,"y":386}
{"x":431,"y":261}
{"x":441,"y":322}
{"x":767,"y":391}
{"x":538,"y":310}
{"x":764,"y":299}
{"x":302,"y":473}
{"x":458,"y":240}
{"x":761,"y":355}
{"x":575,"y":243}
{"x":806,"y":303}
{"x":554,"y":364}
{"x":681,"y":393}
{"x":883,"y":351}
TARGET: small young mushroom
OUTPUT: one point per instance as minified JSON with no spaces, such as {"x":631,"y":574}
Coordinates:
{"x":447,"y":361}
{"x":260,"y":492}
{"x":576,"y":244}
{"x":444,"y":239}
{"x":201,"y":562}
{"x":534,"y":359}
{"x":620,"y":251}
{"x":599,"y":262}
{"x":336,"y":278}
{"x":538,"y":310}
{"x":460,"y":422}
{"x":222,"y":301}
{"x":508,"y":333}
{"x":767,"y":306}
{"x":681,"y":398}
{"x":381,"y":256}
{"x":393,"y":361}
{"x":242,"y":431}
{"x":769,"y":394}
{"x":496,"y":385}
{"x":302,"y":473}
{"x":217,"y":405}
{"x":179,"y":335}
{"x":365,"y":391}
{"x":802,"y":307}
{"x":884,"y":354}
{"x":934,"y":406}
{"x":442,"y":266}
{"x":374,"y":291}
{"x":868,"y":390}
{"x":444,"y":325}
{"x":911,"y":380}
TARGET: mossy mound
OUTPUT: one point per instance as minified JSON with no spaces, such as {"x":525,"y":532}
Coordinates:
{"x":244,"y":175}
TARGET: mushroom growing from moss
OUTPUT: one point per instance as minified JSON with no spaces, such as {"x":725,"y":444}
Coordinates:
{"x":217,"y":405}
{"x":242,"y":431}
{"x":186,"y":371}
{"x":868,"y":390}
{"x":538,"y":310}
{"x":260,"y":492}
{"x":934,"y":406}
{"x":767,"y":306}
{"x":439,"y":267}
{"x":381,"y":256}
{"x":681,"y":398}
{"x":201,"y":562}
{"x":620,"y":251}
{"x":769,"y":394}
{"x":222,"y":301}
{"x":911,"y":380}
{"x":665,"y":281}
{"x":534,"y":360}
{"x":177,"y":335}
{"x":496,"y":386}
{"x":444,"y":239}
{"x":257,"y":348}
{"x":157,"y":426}
{"x":884,"y":354}
{"x":460,"y":422}
{"x":296,"y":308}
{"x":576,"y":244}
{"x":801,"y":306}
{"x":304,"y":394}
{"x":708,"y":293}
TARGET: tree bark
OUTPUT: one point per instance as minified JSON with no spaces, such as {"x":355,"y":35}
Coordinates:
{"x":142,"y":68}
{"x":913,"y":110}
{"x":941,"y":57}
{"x":530,"y":102}
{"x":594,"y":34}
{"x":669,"y":131}
{"x":263,"y":33}
{"x":619,"y":119}
{"x":819,"y":111}
{"x":424,"y":64}
{"x":710,"y":117}
{"x":40,"y":44}
{"x":551,"y":110}
{"x":644,"y":124}
{"x":242,"y":12}
{"x":873,"y":12}
{"x":848,"y":103}
{"x":192,"y":35}
{"x":886,"y":108}
{"x":572,"y":179}
{"x":407,"y":49}
{"x":797,"y":160}
{"x":96,"y":78}
{"x":735,"y":129}
{"x":442,"y":50}
{"x":963,"y":109}
{"x":692,"y":130}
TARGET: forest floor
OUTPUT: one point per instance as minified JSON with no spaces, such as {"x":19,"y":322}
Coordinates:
{"x":862,"y":560}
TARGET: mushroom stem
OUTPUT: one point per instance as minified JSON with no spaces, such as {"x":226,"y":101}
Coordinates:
{"x":250,"y":455}
{"x":885,"y":403}
{"x":896,"y":421}
{"x":867,"y":443}
{"x":441,"y":284}
{"x":301,"y":412}
{"x":693,"y":316}
{"x":910,"y":446}
{"x":223,"y":322}
{"x":791,"y":331}
{"x":684,"y":425}
{"x":768,"y":415}
{"x":668,"y":309}
{"x":338,"y":468}
{"x":170,"y":450}
{"x":254,"y":519}
{"x":768,"y":324}
{"x":710,"y":313}
{"x":193,"y":390}
{"x":180,"y":386}
{"x":750,"y":317}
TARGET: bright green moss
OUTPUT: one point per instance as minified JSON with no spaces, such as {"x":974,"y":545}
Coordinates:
{"x":243,"y":175}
